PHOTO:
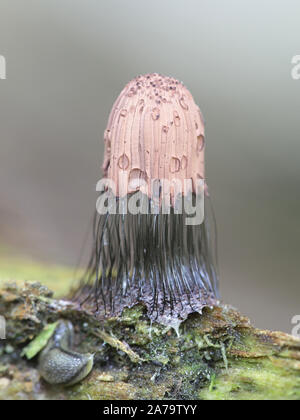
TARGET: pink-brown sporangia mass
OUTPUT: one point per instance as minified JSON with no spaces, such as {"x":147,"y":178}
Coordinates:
{"x":155,"y":131}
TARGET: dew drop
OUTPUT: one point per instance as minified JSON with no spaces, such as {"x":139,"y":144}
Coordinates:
{"x":176,"y":118}
{"x":141,"y":105}
{"x":200,"y":143}
{"x":123,"y":162}
{"x":155,"y":114}
{"x":164,"y":136}
{"x":174,"y":165}
{"x":184,"y":162}
{"x":183,"y":104}
{"x":123,"y":113}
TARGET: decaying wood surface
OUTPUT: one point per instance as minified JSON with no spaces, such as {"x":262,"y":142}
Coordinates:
{"x":218,"y":355}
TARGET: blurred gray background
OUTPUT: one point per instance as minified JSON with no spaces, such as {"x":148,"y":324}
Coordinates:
{"x":67,"y":61}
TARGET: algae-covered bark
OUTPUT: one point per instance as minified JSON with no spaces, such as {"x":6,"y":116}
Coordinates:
{"x":218,"y":355}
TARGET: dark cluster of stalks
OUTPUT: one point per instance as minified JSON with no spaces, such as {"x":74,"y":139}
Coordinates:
{"x":157,"y":259}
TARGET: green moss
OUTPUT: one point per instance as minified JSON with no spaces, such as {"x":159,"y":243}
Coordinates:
{"x":254,"y":381}
{"x":36,"y":345}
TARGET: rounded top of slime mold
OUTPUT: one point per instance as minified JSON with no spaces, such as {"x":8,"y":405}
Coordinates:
{"x":155,"y":131}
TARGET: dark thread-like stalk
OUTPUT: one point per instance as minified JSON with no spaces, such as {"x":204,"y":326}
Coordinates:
{"x":154,"y":259}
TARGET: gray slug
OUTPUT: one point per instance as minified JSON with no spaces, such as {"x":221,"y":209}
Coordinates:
{"x":58,"y":363}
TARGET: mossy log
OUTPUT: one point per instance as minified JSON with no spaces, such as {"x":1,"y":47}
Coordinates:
{"x":216,"y":356}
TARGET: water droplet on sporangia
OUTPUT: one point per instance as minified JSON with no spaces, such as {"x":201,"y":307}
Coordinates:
{"x":183,"y":104}
{"x":165,"y":130}
{"x":141,"y":105}
{"x":155,"y":114}
{"x":123,"y":162}
{"x":184,"y":162}
{"x":176,"y":118}
{"x":174,"y":165}
{"x":200,"y":143}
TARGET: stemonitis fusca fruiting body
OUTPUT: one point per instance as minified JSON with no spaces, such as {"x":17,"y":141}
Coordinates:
{"x":147,"y":248}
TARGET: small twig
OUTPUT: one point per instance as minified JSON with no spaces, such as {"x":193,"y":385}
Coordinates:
{"x":119,"y":345}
